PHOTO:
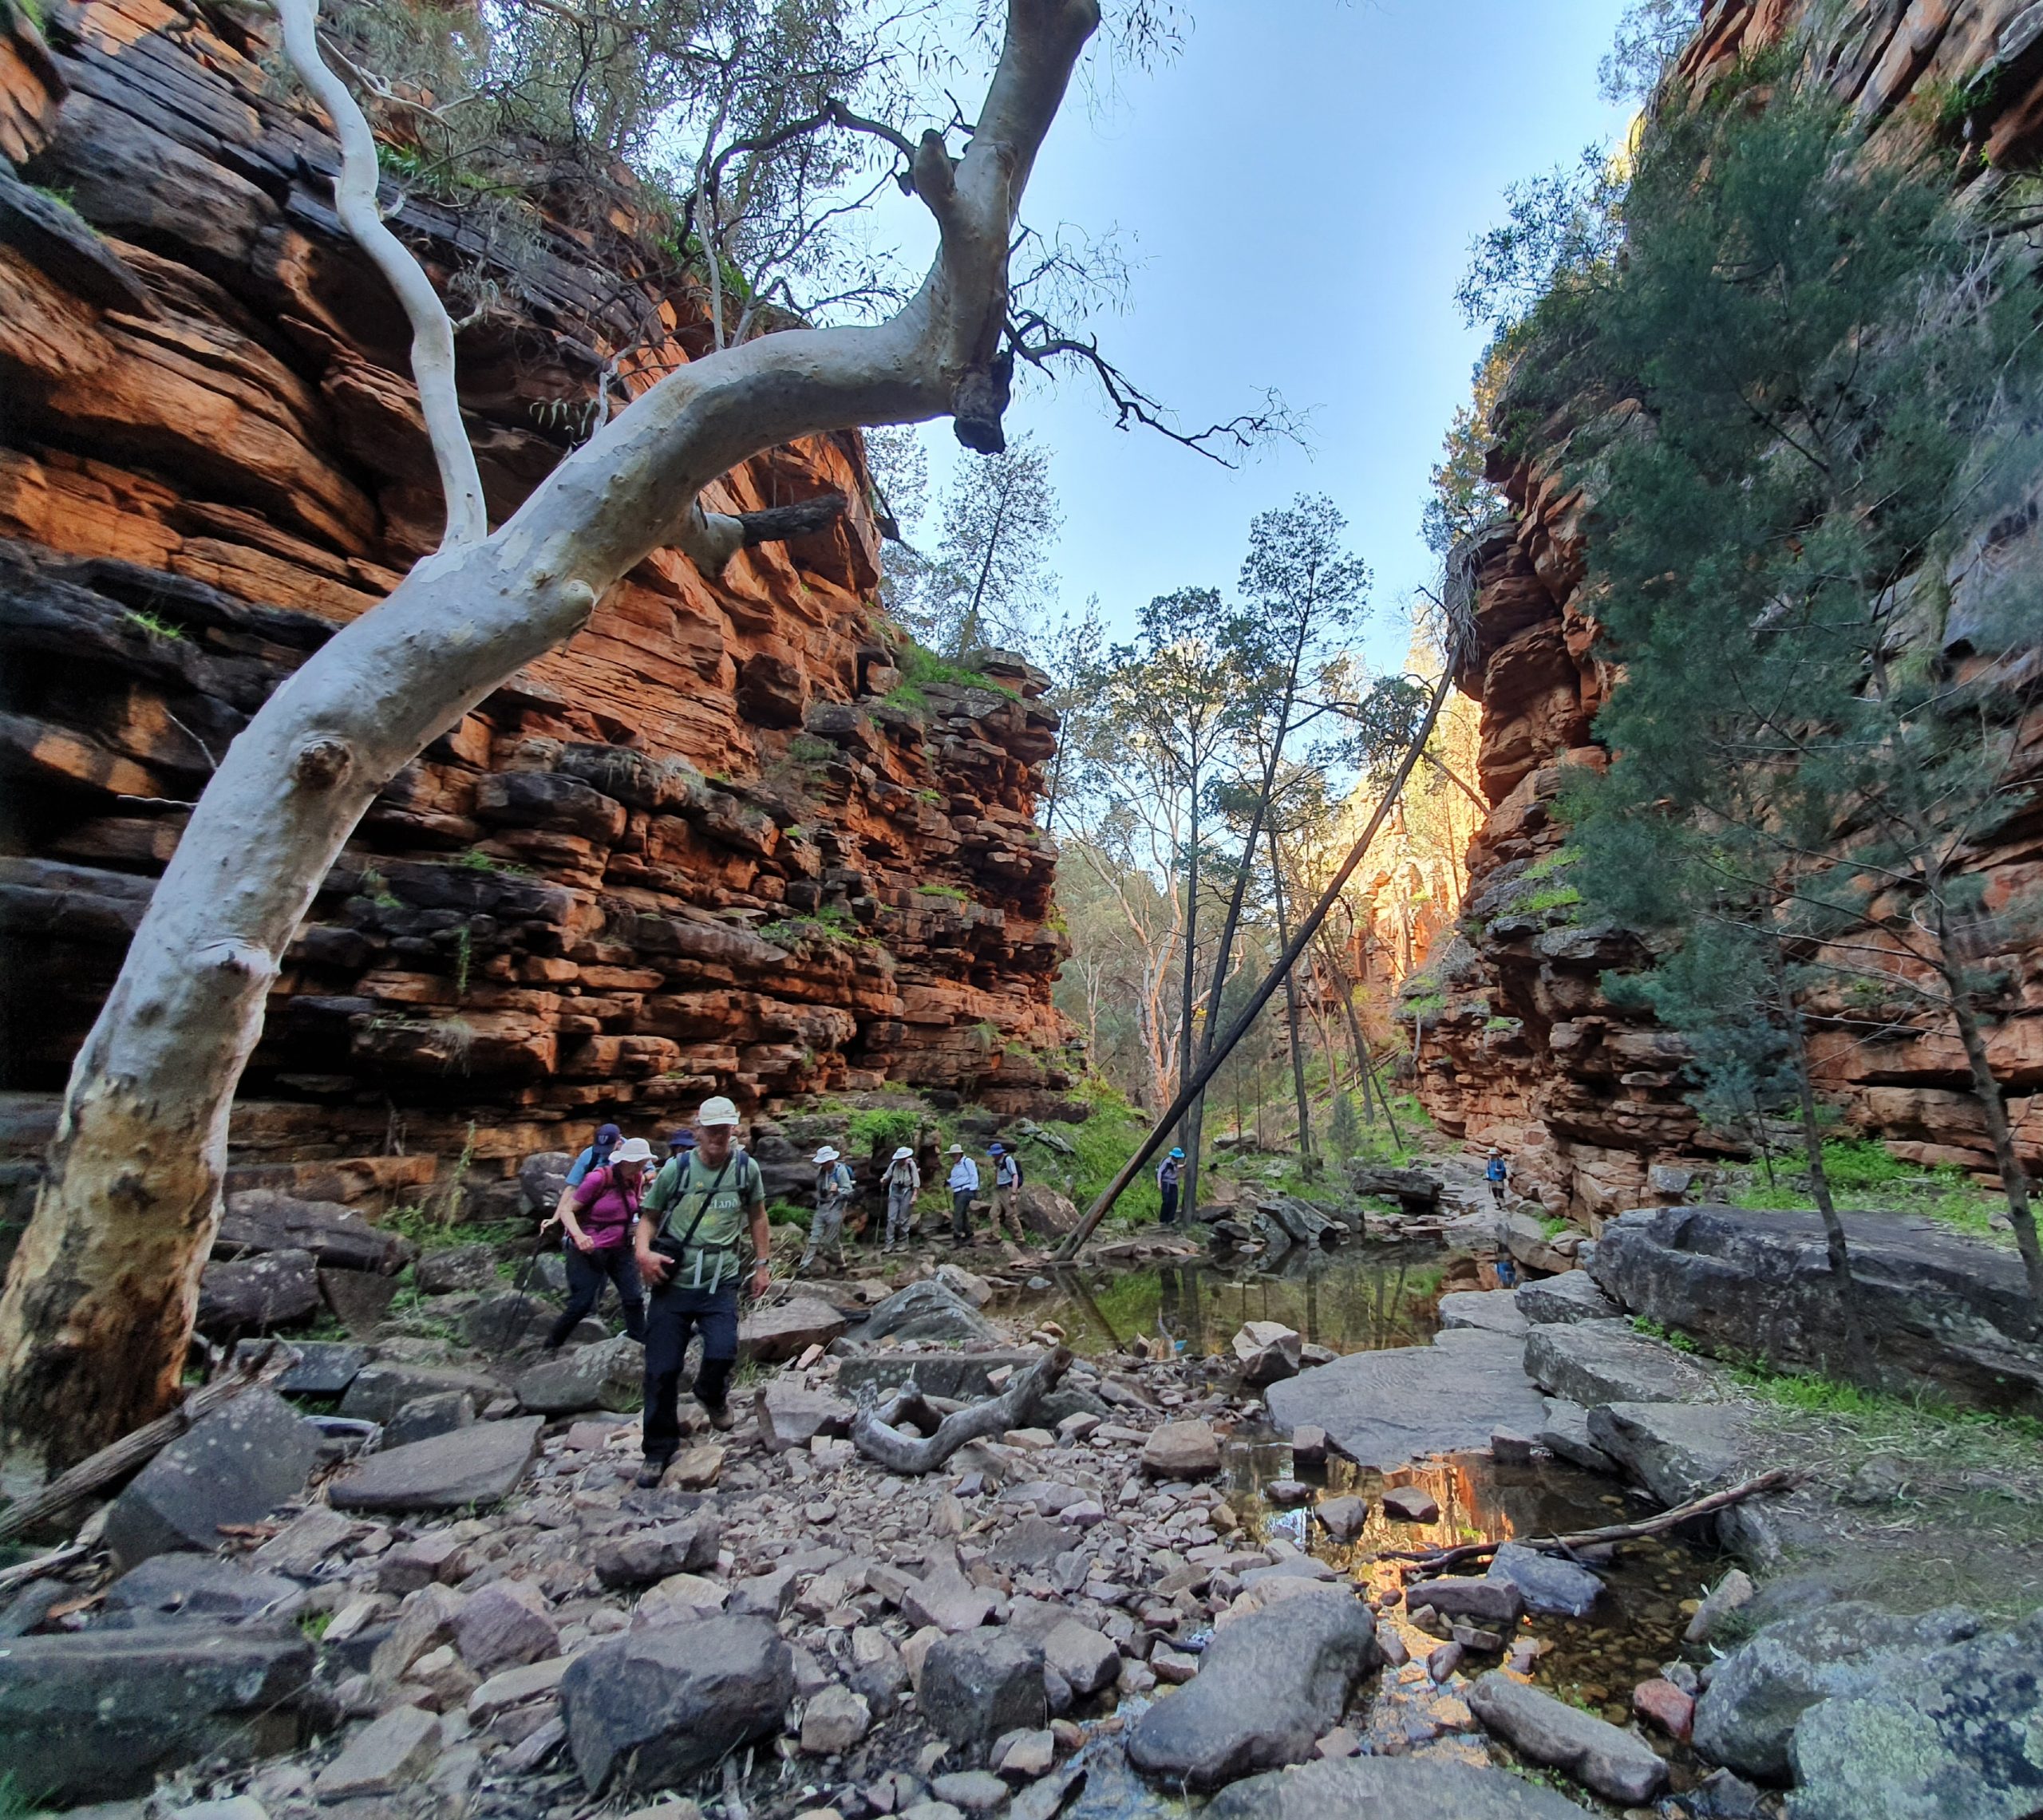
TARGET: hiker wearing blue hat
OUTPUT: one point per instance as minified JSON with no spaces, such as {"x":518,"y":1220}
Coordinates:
{"x":1169,"y":1173}
{"x":1007,"y":1177}
{"x":682,"y":1142}
{"x":594,"y":1156}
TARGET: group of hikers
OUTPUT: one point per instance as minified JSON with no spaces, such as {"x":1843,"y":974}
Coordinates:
{"x":679,"y":1229}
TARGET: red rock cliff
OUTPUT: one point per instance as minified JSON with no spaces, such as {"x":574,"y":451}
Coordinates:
{"x":1522,"y":1048}
{"x":713,"y":844}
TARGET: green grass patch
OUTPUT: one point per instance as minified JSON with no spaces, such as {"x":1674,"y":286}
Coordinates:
{"x":1866,"y":1177}
{"x":833,"y":924}
{"x":425,"y":1227}
{"x":955,"y":893}
{"x":786,"y":1214}
{"x":153,"y":624}
{"x":1669,"y":1335}
{"x":1100,"y":1145}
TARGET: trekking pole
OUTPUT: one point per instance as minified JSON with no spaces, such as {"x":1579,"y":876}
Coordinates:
{"x":514,"y":1316}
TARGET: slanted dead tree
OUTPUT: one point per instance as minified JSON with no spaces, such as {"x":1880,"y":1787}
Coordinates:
{"x":97,"y":1311}
{"x":876,"y":1431}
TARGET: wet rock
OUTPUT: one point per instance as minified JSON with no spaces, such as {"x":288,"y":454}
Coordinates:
{"x":235,"y":1466}
{"x":202,"y":1586}
{"x":834,"y":1722}
{"x":1266,"y":1351}
{"x":788,"y":1329}
{"x":1662,"y":1704}
{"x":654,"y":1707}
{"x":1391,"y":1788}
{"x":639,"y":1557}
{"x":791,"y":1415}
{"x":1269,"y":1686}
{"x":1181,"y":1450}
{"x":1344,"y":1518}
{"x":1592,"y":1362}
{"x":385,"y":1755}
{"x":1085,"y":1659}
{"x":1546,"y":1582}
{"x":1493,"y":1601}
{"x":976,"y":1686}
{"x":1558,"y":1301}
{"x":609,"y":1375}
{"x":424,"y":1417}
{"x":325,"y":1368}
{"x":476,"y":1465}
{"x":1491,"y":1311}
{"x":257,"y":1294}
{"x":1411,"y":1504}
{"x":505,"y":1625}
{"x":1382,"y":1409}
{"x":1616,"y":1764}
{"x":379,"y":1391}
{"x":1309,"y":1443}
{"x":454,"y":1268}
{"x":925,"y":1311}
{"x":1749,"y":1712}
{"x":1676,"y":1450}
{"x":98,"y":1714}
{"x":1565,"y":1435}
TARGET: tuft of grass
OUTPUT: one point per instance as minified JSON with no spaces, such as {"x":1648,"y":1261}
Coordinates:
{"x":153,"y":624}
{"x":1866,"y":1176}
{"x":952,"y":891}
{"x":885,"y":1128}
{"x":1668,"y":1335}
{"x":832,"y":923}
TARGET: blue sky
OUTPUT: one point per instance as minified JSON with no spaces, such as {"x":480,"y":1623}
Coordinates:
{"x":1300,"y":186}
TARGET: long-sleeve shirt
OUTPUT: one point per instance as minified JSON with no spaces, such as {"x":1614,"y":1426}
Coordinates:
{"x":964,"y":1173}
{"x":833,"y":1183}
{"x":1168,"y":1172}
{"x":903,"y":1179}
{"x":606,"y":1203}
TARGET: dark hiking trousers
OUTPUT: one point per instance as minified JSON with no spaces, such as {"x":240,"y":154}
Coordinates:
{"x":587,"y":1271}
{"x":673,"y":1317}
{"x":1168,"y":1192}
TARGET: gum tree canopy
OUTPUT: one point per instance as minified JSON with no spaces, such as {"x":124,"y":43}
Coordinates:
{"x":98,"y":1307}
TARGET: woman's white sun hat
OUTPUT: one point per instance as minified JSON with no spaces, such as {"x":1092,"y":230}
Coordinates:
{"x":633,"y":1149}
{"x":716,"y":1112}
{"x":826,"y":1154}
{"x":903,"y":1154}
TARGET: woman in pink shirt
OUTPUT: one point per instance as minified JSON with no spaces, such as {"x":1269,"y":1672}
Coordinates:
{"x":600,"y":1216}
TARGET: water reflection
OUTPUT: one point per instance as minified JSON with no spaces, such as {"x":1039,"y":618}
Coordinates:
{"x":1355,"y":1299}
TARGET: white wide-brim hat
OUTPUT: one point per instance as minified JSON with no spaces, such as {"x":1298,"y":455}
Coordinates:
{"x":903,"y":1154}
{"x":633,"y":1149}
{"x":826,"y":1154}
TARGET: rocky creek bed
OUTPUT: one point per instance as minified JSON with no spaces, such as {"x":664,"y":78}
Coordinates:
{"x":1174,"y":1591}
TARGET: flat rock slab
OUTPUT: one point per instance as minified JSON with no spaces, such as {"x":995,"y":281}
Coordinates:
{"x":477,"y":1465}
{"x":1617,"y":1764}
{"x":1676,"y":1450}
{"x":774,"y":1335}
{"x":1561,"y":1301}
{"x":235,"y":1466}
{"x":98,"y":1714}
{"x":1547,"y":1582}
{"x":1391,"y":1788}
{"x":1591,"y":1362}
{"x":961,"y":1375}
{"x":379,"y":1391}
{"x":1269,"y":1685}
{"x":925,"y":1311}
{"x":1492,"y":1311}
{"x":1565,"y":1435}
{"x":609,"y":1375}
{"x":1382,"y":1409}
{"x":325,"y":1368}
{"x":198,"y":1586}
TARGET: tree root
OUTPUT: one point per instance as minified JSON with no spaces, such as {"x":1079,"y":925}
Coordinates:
{"x":1439,"y":1560}
{"x":875,"y":1435}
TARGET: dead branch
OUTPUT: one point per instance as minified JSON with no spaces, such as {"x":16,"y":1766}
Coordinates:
{"x":132,"y":1451}
{"x":875,"y":1435}
{"x":24,"y":1571}
{"x":777,"y":523}
{"x":1439,"y":1560}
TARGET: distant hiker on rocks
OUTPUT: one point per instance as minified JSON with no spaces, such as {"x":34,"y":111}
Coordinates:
{"x":695,"y":1223}
{"x":1170,"y":1172}
{"x":1006,"y":1191}
{"x":833,"y":1192}
{"x":1497,"y":1173}
{"x":964,"y":1183}
{"x":683,"y":1140}
{"x":902,"y":1181}
{"x":598,"y":1214}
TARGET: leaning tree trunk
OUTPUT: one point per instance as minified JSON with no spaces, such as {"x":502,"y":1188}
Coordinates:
{"x":1187,"y":1131}
{"x":97,"y":1312}
{"x":1305,"y":1162}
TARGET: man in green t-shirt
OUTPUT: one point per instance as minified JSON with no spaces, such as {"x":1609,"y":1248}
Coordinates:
{"x":693,"y":1226}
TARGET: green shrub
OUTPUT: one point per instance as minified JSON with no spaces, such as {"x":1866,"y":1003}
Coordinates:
{"x":883,"y":1129}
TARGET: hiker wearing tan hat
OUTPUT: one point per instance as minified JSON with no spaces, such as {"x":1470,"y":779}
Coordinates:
{"x":902,"y":1181}
{"x":964,"y":1183}
{"x":705,"y":1211}
{"x":826,"y":1225}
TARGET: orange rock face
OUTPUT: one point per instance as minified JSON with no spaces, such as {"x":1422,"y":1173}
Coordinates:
{"x":709,"y":846}
{"x":1526,"y":1052}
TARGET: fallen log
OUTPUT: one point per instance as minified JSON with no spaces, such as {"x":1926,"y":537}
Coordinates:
{"x":121,"y":1459}
{"x":1440,"y":1560}
{"x":875,"y":1434}
{"x":24,"y":1571}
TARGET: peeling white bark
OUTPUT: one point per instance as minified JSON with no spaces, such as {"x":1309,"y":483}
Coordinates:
{"x":97,"y":1309}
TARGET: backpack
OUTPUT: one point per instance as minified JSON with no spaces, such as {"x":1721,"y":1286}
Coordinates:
{"x":1015,"y":1162}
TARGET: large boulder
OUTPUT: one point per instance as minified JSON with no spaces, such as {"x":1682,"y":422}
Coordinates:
{"x":98,"y":1715}
{"x":1546,"y":1582}
{"x":609,"y":1375}
{"x":1267,"y":1351}
{"x":1046,"y":1212}
{"x":1676,"y":1450}
{"x":1618,"y":1765}
{"x":1493,"y":1311}
{"x":656,"y":1706}
{"x":1415,"y":1191}
{"x":260,"y":1220}
{"x":203,"y":1587}
{"x":1953,"y":1734}
{"x":1952,"y":1314}
{"x":440,"y":1412}
{"x":378,"y":1392}
{"x":1557,"y":1301}
{"x":961,"y":1376}
{"x":1847,"y":1650}
{"x":480,"y":1464}
{"x":253,"y":1294}
{"x":235,"y":1466}
{"x":925,"y":1311}
{"x":544,"y":1176}
{"x":786,"y":1331}
{"x":1269,"y":1686}
{"x":1382,"y":1409}
{"x":1391,"y":1788}
{"x":1591,"y":1362}
{"x":981,"y":1683}
{"x":639,"y":1557}
{"x":455,"y":1269}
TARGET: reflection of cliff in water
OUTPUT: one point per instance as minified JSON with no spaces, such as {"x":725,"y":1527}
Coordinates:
{"x":1359,"y":1298}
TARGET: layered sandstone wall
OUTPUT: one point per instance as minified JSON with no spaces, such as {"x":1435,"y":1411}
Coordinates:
{"x":714,"y":843}
{"x":1520,"y":1047}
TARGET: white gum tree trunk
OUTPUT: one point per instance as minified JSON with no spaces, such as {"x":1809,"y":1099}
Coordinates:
{"x":97,"y":1315}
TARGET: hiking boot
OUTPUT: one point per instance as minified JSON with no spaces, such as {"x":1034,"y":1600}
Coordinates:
{"x":722,"y":1417}
{"x":650,"y":1473}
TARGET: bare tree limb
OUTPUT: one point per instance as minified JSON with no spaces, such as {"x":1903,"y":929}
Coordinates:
{"x":874,"y":1434}
{"x":432,"y":331}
